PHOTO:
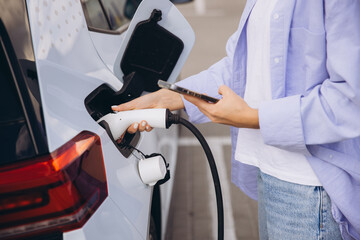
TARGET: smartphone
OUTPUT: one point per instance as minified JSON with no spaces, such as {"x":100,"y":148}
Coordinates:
{"x":181,"y":90}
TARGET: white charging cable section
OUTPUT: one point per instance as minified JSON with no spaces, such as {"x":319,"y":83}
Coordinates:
{"x":163,"y":118}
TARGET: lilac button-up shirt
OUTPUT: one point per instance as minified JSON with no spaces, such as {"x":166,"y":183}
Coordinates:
{"x":315,"y":80}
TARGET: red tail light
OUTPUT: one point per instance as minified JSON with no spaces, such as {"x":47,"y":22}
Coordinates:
{"x":58,"y":192}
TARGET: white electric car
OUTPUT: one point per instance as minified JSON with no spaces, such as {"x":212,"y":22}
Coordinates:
{"x":64,"y":63}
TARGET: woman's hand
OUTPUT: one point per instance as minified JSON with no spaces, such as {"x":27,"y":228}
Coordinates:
{"x":159,"y":99}
{"x":143,"y":126}
{"x":230,"y":110}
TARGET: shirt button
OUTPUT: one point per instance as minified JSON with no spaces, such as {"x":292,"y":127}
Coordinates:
{"x":330,"y":156}
{"x":276,"y":16}
{"x":277,"y":60}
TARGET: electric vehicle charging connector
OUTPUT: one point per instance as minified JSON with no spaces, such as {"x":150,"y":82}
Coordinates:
{"x":163,"y":118}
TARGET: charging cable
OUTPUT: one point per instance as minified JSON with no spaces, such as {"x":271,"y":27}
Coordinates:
{"x":117,"y":123}
{"x":176,"y":119}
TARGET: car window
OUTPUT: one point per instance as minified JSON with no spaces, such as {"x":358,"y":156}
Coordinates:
{"x":115,"y":11}
{"x":94,"y":14}
{"x":22,"y":129}
{"x":15,"y":141}
{"x":109,"y":14}
{"x":9,"y":103}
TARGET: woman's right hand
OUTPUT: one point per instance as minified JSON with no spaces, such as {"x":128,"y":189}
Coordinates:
{"x":160,"y":99}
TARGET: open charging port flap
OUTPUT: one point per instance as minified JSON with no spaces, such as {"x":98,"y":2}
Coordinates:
{"x":151,"y":54}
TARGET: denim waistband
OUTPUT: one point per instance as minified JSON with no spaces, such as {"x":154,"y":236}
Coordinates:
{"x":294,"y":211}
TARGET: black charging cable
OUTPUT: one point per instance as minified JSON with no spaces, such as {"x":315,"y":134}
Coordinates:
{"x":176,"y":119}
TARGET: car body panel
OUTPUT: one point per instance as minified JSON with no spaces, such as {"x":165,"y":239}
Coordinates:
{"x":107,"y":223}
{"x":168,"y":145}
{"x":104,"y":45}
{"x":71,"y":62}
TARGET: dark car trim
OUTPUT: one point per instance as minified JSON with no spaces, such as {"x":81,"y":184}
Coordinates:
{"x":108,"y":22}
{"x":13,"y":40}
{"x":113,"y":32}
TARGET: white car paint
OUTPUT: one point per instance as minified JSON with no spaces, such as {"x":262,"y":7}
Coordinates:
{"x":71,"y":63}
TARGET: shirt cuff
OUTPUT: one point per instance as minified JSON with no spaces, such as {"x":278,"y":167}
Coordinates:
{"x":194,"y":114}
{"x":281,"y":124}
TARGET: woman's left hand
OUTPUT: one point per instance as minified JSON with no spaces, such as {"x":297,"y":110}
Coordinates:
{"x":230,"y":110}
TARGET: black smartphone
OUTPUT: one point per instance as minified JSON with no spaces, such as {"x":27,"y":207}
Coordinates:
{"x":181,"y":90}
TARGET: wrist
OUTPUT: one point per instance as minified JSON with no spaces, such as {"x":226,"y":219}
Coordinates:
{"x":169,"y":99}
{"x":250,"y":119}
{"x":254,"y":118}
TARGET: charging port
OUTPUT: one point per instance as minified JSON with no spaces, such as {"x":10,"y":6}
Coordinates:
{"x":151,"y":54}
{"x":98,"y":103}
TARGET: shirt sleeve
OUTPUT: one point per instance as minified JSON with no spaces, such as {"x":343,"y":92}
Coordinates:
{"x":330,"y":112}
{"x":210,"y":80}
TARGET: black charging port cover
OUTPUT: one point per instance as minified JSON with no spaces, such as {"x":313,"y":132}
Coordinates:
{"x":128,"y":140}
{"x":152,"y":52}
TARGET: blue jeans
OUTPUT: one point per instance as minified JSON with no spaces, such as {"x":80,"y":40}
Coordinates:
{"x":293,"y":211}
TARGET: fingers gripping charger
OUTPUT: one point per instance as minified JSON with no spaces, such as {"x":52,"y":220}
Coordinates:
{"x":119,"y":122}
{"x":152,"y":169}
{"x":163,"y":118}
